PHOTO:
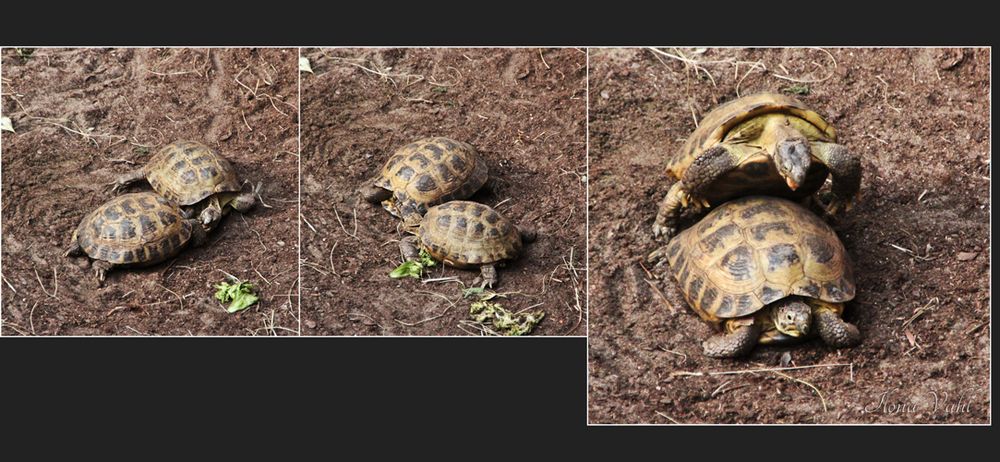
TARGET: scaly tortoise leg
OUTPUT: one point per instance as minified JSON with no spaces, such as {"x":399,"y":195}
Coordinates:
{"x":211,"y":214}
{"x":709,"y":167}
{"x":845,"y":168}
{"x":126,"y":179}
{"x":409,"y":247}
{"x":669,"y":214}
{"x":832,"y":328}
{"x":691,"y":190}
{"x":101,"y":268}
{"x":740,"y":342}
{"x":488,"y":274}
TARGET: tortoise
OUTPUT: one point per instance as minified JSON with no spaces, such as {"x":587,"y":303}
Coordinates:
{"x":426,"y":173}
{"x":766,"y":144}
{"x":767,"y":271}
{"x":133,"y":230}
{"x":465,"y":234}
{"x":195,"y":177}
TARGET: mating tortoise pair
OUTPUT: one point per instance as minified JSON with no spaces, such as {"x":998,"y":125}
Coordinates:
{"x":194,"y":187}
{"x":762,"y":268}
{"x":423,"y":183}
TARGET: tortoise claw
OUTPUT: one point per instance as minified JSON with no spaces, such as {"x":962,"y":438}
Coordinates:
{"x":657,"y":257}
{"x":838,"y":206}
{"x":113,"y":187}
{"x":663,"y":233}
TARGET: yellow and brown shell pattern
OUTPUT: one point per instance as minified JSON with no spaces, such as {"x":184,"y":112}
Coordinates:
{"x":187,"y":172}
{"x":133,"y":229}
{"x":756,"y":250}
{"x":468,"y":234}
{"x":429,"y":172}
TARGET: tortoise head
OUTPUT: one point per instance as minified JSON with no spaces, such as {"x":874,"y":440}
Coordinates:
{"x":793,"y":318}
{"x":374,"y":194}
{"x":528,"y":233}
{"x":245,"y":200}
{"x":793,"y":158}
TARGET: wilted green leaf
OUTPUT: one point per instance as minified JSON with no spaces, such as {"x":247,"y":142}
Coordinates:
{"x":414,"y":268}
{"x":797,"y":89}
{"x":410,"y":268}
{"x":426,"y":259}
{"x":239,"y":295}
{"x":469,"y":291}
{"x":6,"y":125}
{"x":504,"y":321}
{"x":304,"y":65}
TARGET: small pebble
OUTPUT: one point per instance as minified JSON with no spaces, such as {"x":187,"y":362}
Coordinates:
{"x":605,"y":94}
{"x":311,"y":324}
{"x":966,"y":256}
{"x":281,"y":243}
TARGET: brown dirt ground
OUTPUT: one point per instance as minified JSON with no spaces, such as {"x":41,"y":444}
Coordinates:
{"x":920,"y":119}
{"x":523,"y":109}
{"x":127,"y":99}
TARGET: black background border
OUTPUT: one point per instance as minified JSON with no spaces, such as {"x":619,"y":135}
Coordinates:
{"x":374,"y":396}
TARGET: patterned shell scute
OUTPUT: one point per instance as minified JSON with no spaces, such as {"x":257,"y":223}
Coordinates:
{"x":717,"y":123}
{"x":136,"y":228}
{"x":433,"y":171}
{"x":187,"y":172}
{"x":468,"y":234}
{"x":756,"y":250}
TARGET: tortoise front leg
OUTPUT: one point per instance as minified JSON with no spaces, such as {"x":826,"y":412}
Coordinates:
{"x":832,"y":328}
{"x":488,"y":274}
{"x":845,"y":168}
{"x":739,"y":342}
{"x":126,"y":179}
{"x":669,"y":214}
{"x":691,"y":190}
{"x":101,"y":268}
{"x":212,"y":213}
{"x":708,"y":167}
{"x":409,"y":247}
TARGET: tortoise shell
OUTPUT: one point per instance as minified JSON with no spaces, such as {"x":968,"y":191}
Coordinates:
{"x":429,"y":172}
{"x":753,"y":251}
{"x":186,"y":172}
{"x":740,"y":120}
{"x":133,"y":229}
{"x":468,"y":234}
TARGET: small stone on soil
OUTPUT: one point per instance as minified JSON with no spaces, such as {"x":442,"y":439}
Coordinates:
{"x":966,"y":256}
